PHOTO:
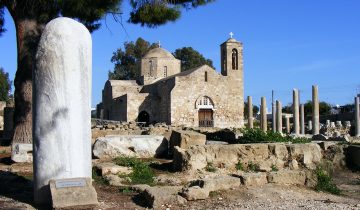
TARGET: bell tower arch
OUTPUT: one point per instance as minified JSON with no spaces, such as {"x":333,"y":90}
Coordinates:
{"x":231,"y":57}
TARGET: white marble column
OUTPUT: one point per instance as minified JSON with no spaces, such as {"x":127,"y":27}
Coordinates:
{"x":263,"y":117}
{"x":296,"y":111}
{"x":61,"y":105}
{"x":302,"y":120}
{"x":278,"y":117}
{"x":315,"y":110}
{"x":250,"y":112}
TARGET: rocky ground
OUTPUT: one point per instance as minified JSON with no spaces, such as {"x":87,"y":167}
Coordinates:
{"x":16,"y":193}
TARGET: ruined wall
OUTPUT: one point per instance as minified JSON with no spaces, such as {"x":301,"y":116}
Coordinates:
{"x":226,"y":92}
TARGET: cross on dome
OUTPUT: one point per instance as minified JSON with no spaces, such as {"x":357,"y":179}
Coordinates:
{"x":231,"y":34}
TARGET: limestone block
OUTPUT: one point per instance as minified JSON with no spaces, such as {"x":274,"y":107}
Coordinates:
{"x":287,"y":177}
{"x":307,"y":154}
{"x":185,"y":139}
{"x":112,"y":168}
{"x":155,"y":197}
{"x":195,"y":193}
{"x":73,"y":193}
{"x":115,"y":180}
{"x":21,"y":153}
{"x":219,"y":183}
{"x":61,"y":105}
{"x":253,"y":179}
{"x":293,"y":165}
{"x":143,"y":146}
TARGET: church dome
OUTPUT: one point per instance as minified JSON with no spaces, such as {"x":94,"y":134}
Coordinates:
{"x":158,"y":53}
{"x":231,"y":40}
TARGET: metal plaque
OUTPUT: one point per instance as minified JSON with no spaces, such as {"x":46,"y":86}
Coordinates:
{"x":70,"y":183}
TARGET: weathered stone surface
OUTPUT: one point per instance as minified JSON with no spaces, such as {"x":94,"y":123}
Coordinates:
{"x":293,"y":165}
{"x":253,"y":179}
{"x":184,"y":139}
{"x":73,"y":197}
{"x":218,"y":183}
{"x":325,"y":144}
{"x":112,"y":168}
{"x":21,"y":153}
{"x":155,"y":197}
{"x":115,"y":180}
{"x":143,"y":146}
{"x":61,"y":105}
{"x":197,"y":157}
{"x":287,"y":177}
{"x":307,"y":154}
{"x":195,"y":193}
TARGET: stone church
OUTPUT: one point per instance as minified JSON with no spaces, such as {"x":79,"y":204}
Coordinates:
{"x":200,"y":97}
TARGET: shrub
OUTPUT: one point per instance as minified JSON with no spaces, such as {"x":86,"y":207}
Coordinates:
{"x":210,"y":168}
{"x":274,"y":168}
{"x":239,"y":166}
{"x":253,"y":166}
{"x":256,"y":135}
{"x":142,"y":173}
{"x":325,"y":182}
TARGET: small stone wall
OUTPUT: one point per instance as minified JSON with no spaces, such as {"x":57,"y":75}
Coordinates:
{"x":265,"y":156}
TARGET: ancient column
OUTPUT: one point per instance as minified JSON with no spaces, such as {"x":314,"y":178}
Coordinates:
{"x":273,"y":113}
{"x":287,"y":124}
{"x":61,"y":105}
{"x":302,"y":120}
{"x":278,"y":117}
{"x":296,"y":111}
{"x":310,"y":127}
{"x":250,"y":112}
{"x":263,"y":117}
{"x":315,"y":110}
{"x":357,"y":117}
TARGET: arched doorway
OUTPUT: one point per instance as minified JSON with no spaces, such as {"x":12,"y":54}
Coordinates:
{"x":143,"y":117}
{"x":205,"y":108}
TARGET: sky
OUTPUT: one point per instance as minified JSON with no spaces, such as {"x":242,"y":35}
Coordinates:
{"x":287,"y":44}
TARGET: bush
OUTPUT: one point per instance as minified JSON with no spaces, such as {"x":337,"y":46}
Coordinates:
{"x":142,"y":173}
{"x":256,"y":135}
{"x":239,"y":166}
{"x":253,"y":167}
{"x":274,"y":168}
{"x":325,"y":182}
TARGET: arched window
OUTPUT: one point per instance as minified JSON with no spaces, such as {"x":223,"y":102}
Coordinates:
{"x":206,"y":78}
{"x":234,"y":59}
{"x":204,"y":102}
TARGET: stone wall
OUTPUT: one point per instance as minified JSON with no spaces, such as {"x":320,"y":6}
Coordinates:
{"x":226,"y":92}
{"x":264,"y":155}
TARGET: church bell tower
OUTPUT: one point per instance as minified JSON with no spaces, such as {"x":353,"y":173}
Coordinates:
{"x":231,"y":57}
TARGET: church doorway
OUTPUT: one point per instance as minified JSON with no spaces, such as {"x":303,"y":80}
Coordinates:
{"x":206,"y":118}
{"x":144,"y":117}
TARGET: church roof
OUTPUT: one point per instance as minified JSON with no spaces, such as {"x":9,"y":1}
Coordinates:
{"x":158,"y":53}
{"x":231,"y":40}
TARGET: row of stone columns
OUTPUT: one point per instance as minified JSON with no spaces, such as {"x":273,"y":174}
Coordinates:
{"x":298,"y":115}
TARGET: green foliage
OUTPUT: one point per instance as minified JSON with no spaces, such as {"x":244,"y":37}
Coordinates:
{"x":210,"y":167}
{"x":325,"y":182}
{"x":98,"y":178}
{"x":126,"y":190}
{"x":191,"y":58}
{"x":324,"y":108}
{"x":239,"y":166}
{"x":128,"y":63}
{"x":253,"y":166}
{"x":256,"y":135}
{"x":5,"y":85}
{"x":274,"y":168}
{"x":2,"y":20}
{"x":142,"y":173}
{"x":154,"y":13}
